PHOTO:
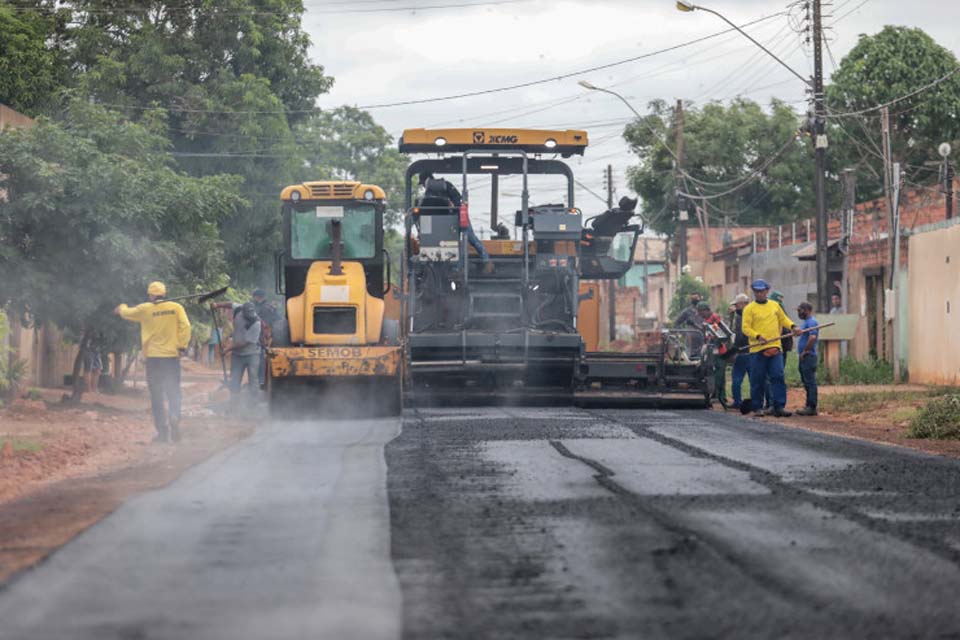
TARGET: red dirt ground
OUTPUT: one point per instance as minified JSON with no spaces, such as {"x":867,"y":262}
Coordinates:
{"x":876,"y":426}
{"x":64,"y":467}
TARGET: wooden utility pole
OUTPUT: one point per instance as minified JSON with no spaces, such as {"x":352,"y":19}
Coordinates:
{"x":611,"y":284}
{"x":887,"y":171}
{"x":820,"y":159}
{"x":682,"y":213}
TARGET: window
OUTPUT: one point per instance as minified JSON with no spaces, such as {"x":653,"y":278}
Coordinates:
{"x":732,"y":273}
{"x":311,"y":232}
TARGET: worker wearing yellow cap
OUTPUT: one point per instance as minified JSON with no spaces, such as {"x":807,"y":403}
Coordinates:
{"x":164,"y":332}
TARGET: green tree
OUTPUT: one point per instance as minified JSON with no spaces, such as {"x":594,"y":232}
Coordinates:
{"x":229,"y":78}
{"x":887,"y":65}
{"x":347,"y":143}
{"x":96,"y":209}
{"x":723,"y":144}
{"x":687,"y":285}
{"x":30,"y":71}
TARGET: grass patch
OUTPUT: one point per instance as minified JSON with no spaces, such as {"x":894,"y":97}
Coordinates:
{"x":22,"y":445}
{"x":903,"y":414}
{"x":34,"y":394}
{"x":864,"y":401}
{"x":866,"y":372}
{"x":939,"y":419}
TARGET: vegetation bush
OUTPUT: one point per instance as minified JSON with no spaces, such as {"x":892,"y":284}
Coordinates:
{"x":870,"y":371}
{"x":939,"y":419}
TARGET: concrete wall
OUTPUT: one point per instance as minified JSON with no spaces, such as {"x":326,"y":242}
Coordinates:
{"x":47,"y":355}
{"x":934,"y":295}
{"x":796,"y":279}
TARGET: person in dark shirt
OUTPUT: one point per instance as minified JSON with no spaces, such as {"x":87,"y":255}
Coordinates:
{"x":741,"y":362}
{"x":444,"y":189}
{"x":689,"y":318}
{"x":807,"y":350}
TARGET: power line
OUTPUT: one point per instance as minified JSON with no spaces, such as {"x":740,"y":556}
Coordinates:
{"x":925,"y":87}
{"x":571,"y":74}
{"x":753,"y":176}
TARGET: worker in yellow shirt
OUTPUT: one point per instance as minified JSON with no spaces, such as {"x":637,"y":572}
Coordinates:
{"x":164,"y":333}
{"x":763,"y":321}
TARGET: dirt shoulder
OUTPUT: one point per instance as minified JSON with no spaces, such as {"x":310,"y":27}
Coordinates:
{"x":64,"y":467}
{"x":877,"y":413}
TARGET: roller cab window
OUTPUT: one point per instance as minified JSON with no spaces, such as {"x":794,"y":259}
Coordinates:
{"x":311,"y":230}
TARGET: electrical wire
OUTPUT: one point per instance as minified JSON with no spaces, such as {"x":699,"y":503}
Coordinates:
{"x":753,"y":176}
{"x":925,"y":87}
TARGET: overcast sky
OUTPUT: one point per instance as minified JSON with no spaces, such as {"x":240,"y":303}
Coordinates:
{"x":379,"y":54}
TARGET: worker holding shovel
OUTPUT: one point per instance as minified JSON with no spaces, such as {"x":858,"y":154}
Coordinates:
{"x":164,"y":333}
{"x":762,"y":322}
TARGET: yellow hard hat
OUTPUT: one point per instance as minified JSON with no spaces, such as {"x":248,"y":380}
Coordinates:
{"x":157,"y":289}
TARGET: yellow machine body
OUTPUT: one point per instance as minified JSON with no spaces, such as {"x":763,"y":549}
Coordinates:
{"x":338,"y":333}
{"x":335,"y":354}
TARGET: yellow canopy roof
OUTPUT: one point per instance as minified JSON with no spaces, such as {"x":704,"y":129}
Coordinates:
{"x":566,"y":143}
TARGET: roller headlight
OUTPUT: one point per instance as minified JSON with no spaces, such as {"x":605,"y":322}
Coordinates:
{"x":368,"y":194}
{"x":440,"y":141}
{"x":295,"y":196}
{"x":550,"y":143}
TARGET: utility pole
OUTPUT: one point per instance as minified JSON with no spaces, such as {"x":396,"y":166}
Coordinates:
{"x":820,"y":159}
{"x":611,"y":284}
{"x":682,"y":213}
{"x":895,"y":275}
{"x":946,"y":172}
{"x":949,"y":190}
{"x":887,"y":170}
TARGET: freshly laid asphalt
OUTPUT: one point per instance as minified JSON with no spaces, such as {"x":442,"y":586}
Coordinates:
{"x":507,"y":522}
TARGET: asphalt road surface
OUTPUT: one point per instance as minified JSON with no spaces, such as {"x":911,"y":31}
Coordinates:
{"x":519,"y":523}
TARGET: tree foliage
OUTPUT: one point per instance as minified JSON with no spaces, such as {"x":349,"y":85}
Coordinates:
{"x":96,"y":210}
{"x":30,"y":71}
{"x":722,"y":145}
{"x":893,"y":63}
{"x":347,"y":143}
{"x":687,"y":285}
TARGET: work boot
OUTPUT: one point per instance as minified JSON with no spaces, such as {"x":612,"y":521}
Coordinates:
{"x":175,"y":430}
{"x":807,"y":411}
{"x":488,"y":267}
{"x":781,"y":413}
{"x":759,"y":413}
{"x":161,"y":438}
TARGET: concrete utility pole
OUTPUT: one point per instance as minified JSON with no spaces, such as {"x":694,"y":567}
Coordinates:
{"x":820,"y":159}
{"x":611,"y":284}
{"x":895,"y":273}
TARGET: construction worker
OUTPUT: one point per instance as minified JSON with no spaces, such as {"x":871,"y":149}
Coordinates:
{"x":244,"y":347}
{"x":762,"y":323}
{"x":741,"y":362}
{"x":444,"y":190}
{"x":689,"y":318}
{"x":719,"y":349}
{"x":786,"y":338}
{"x":270,"y":317}
{"x":164,"y":334}
{"x":807,"y":350}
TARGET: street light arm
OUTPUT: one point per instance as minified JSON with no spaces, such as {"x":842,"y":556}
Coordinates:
{"x":752,"y":39}
{"x":622,"y":99}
